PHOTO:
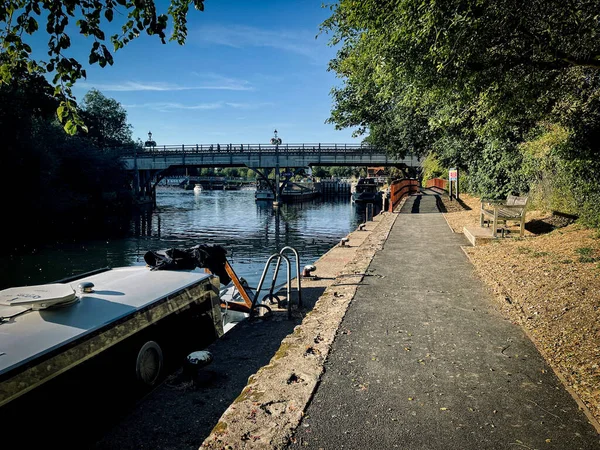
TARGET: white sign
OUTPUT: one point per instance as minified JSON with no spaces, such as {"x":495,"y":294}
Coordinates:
{"x":452,"y":174}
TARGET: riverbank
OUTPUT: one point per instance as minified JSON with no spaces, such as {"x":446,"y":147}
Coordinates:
{"x":281,"y":367}
{"x":549,"y":283}
{"x":271,"y":405}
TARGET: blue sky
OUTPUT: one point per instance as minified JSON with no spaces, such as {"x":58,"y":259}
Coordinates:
{"x":246,"y":69}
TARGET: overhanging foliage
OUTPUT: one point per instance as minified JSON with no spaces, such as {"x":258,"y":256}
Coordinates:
{"x":473,"y":80}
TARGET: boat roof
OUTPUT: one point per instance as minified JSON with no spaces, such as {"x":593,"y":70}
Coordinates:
{"x":27,"y":334}
{"x":366,"y":181}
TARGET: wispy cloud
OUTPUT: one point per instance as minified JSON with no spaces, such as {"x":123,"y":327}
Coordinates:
{"x":172,"y":106}
{"x":227,"y":84}
{"x":249,"y":105}
{"x":241,"y":36}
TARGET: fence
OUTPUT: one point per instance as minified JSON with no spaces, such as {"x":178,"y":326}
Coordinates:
{"x":399,"y":189}
{"x":438,"y":183}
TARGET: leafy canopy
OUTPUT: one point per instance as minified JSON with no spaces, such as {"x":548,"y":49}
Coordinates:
{"x":472,"y":82}
{"x":106,"y":120}
{"x":19,"y":18}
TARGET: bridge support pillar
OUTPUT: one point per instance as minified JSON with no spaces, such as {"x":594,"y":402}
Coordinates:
{"x":143,"y":191}
{"x":277,"y":183}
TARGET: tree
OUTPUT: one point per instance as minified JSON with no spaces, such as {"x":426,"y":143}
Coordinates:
{"x":106,"y":120}
{"x":63,"y":179}
{"x":24,"y":17}
{"x":320,"y":172}
{"x":473,"y":81}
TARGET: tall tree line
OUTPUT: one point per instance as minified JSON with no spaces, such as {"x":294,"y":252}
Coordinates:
{"x":508,"y":91}
{"x":58,"y":185}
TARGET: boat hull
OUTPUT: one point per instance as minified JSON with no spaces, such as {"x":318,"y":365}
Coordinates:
{"x":364,"y":197}
{"x":264,"y":195}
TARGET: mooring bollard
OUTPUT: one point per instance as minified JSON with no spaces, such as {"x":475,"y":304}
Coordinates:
{"x":196,"y":361}
{"x":344,"y":241}
{"x":306,"y":273}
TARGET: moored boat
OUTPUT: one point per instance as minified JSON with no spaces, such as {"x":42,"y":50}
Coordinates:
{"x":263,"y":191}
{"x":366,"y":190}
{"x":297,"y":192}
{"x":50,"y":329}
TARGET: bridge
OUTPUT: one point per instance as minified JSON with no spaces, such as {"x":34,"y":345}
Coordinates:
{"x":150,"y":165}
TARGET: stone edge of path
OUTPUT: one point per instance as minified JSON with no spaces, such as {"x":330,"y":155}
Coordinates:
{"x":595,"y":423}
{"x":271,"y":406}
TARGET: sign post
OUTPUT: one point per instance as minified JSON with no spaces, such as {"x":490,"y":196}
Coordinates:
{"x":453,"y":178}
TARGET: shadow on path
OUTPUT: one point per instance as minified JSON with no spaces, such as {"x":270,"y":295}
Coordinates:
{"x":426,"y":201}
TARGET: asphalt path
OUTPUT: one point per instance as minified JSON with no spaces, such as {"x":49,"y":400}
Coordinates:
{"x":423,"y":360}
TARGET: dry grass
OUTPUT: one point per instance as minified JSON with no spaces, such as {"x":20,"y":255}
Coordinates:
{"x":550,"y":285}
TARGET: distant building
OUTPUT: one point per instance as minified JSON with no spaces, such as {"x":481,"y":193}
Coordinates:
{"x":378,"y":173}
{"x":375,"y":172}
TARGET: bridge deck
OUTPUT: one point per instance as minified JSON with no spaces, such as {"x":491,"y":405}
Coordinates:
{"x":262,"y":156}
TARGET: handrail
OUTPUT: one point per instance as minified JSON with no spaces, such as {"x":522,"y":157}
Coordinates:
{"x":165,"y":150}
{"x":262,"y":279}
{"x":399,"y":189}
{"x":438,"y":183}
{"x":297,"y":273}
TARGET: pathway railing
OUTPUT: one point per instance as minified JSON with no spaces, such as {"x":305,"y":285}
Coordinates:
{"x":438,"y":183}
{"x":400,"y":189}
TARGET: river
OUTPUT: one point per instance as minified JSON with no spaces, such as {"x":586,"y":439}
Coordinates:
{"x":250,"y":231}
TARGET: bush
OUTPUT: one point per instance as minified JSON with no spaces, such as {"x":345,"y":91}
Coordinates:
{"x":559,"y":182}
{"x":432,"y":168}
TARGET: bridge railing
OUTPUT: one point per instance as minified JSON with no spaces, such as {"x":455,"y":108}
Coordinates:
{"x":250,"y":148}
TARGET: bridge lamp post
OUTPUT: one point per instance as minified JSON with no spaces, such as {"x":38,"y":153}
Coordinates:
{"x":150,"y":143}
{"x":276,"y":141}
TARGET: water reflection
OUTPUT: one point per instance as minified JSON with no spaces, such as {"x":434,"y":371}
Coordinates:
{"x":250,"y":231}
{"x":142,"y":223}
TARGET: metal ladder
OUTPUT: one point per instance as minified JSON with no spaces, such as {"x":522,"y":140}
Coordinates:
{"x":271,"y":295}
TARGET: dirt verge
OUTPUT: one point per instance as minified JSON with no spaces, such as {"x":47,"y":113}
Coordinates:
{"x":549,"y":283}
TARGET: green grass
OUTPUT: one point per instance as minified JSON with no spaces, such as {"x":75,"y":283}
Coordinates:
{"x":539,"y":254}
{"x":584,"y":251}
{"x":585,"y":255}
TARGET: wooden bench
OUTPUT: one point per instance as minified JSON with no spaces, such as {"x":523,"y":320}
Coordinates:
{"x":512,"y":209}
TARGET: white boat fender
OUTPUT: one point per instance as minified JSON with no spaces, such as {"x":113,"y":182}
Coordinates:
{"x":196,"y":361}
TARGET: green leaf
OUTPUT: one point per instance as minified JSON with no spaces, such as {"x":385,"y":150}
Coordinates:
{"x":70,"y":127}
{"x":32,"y":26}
